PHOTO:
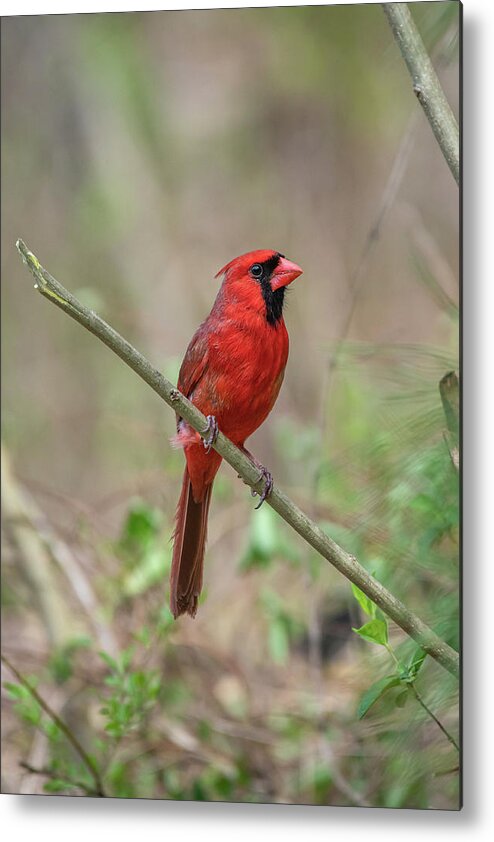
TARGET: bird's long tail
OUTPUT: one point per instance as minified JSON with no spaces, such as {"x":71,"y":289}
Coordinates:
{"x":191,"y":525}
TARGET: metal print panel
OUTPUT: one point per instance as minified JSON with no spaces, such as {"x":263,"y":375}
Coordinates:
{"x":166,"y":633}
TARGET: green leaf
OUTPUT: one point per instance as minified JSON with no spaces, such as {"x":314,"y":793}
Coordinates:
{"x":166,"y":623}
{"x":61,"y":667}
{"x":143,"y":636}
{"x":365,"y":603}
{"x":16,"y":691}
{"x":52,"y":730}
{"x":109,"y":661}
{"x":278,"y":641}
{"x":416,"y":662}
{"x":264,"y":540}
{"x":376,"y":631}
{"x":152,"y":568}
{"x":57,"y":785}
{"x":271,"y":603}
{"x":375,"y":692}
{"x":142,"y":524}
{"x":26,"y":705}
{"x":126,"y":658}
{"x":401,"y":699}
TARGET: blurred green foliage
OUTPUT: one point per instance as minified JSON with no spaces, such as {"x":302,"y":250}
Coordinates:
{"x":402,"y":519}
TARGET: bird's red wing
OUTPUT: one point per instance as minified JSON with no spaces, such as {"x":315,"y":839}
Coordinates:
{"x":194,"y":363}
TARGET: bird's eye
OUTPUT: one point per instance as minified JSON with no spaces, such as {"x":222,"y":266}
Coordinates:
{"x":256,"y":270}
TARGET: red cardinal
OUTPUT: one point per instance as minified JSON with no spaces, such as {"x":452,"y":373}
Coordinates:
{"x":232,"y":371}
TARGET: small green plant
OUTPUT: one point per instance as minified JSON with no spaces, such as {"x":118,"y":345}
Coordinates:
{"x":65,"y":771}
{"x":376,"y":630}
{"x":131,"y":696}
{"x":143,"y":548}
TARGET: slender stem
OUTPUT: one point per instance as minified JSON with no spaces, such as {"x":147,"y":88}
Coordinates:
{"x":49,"y":773}
{"x":360,"y":272}
{"x":392,"y":653}
{"x":344,"y":562}
{"x":419,"y":698}
{"x":71,"y":737}
{"x":434,"y":717}
{"x":426,"y":85}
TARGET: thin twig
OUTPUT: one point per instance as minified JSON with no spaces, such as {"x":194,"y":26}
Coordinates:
{"x":419,"y":698}
{"x":426,"y":85}
{"x":49,"y":773}
{"x":434,"y":717}
{"x":358,"y":275}
{"x":86,"y":759}
{"x":289,"y":511}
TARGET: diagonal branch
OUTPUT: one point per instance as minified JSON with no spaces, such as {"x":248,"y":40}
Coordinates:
{"x":426,"y":85}
{"x":289,"y":511}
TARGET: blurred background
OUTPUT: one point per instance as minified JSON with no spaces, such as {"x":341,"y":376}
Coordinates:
{"x":140,"y":153}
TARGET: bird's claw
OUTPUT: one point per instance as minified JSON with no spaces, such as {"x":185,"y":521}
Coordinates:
{"x":268,"y":486}
{"x":210,"y":434}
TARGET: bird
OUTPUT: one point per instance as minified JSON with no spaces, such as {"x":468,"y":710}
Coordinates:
{"x":232,"y":372}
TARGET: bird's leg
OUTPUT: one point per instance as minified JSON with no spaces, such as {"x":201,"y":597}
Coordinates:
{"x":263,"y":474}
{"x":210,"y":434}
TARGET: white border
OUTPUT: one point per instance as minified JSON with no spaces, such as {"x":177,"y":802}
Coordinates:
{"x":54,"y":818}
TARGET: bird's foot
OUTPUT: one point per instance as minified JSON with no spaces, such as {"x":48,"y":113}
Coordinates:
{"x":210,"y":434}
{"x":263,"y":474}
{"x":268,"y":485}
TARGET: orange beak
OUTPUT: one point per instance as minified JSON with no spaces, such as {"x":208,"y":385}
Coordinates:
{"x":284,"y":274}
